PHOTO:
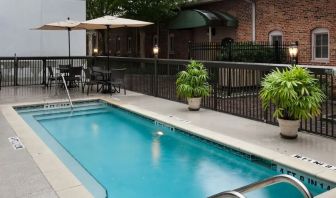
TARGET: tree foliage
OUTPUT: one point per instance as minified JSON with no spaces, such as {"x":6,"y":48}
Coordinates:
{"x":99,"y":8}
{"x":148,"y":10}
{"x":295,"y":93}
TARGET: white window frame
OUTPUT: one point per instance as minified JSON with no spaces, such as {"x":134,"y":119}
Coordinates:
{"x":171,"y":37}
{"x":275,"y":33}
{"x":314,"y":33}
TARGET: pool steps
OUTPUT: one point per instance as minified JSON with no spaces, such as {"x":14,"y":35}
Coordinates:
{"x":77,"y":110}
{"x":40,"y":108}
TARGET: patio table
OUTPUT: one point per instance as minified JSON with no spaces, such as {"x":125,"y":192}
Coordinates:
{"x":106,"y":77}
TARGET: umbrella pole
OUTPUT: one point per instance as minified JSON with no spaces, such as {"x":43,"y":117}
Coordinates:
{"x":108,"y":48}
{"x":69,"y":43}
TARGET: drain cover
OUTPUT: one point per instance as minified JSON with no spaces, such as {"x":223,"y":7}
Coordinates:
{"x":16,"y":143}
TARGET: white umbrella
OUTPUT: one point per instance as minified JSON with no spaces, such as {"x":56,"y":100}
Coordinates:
{"x":62,"y":25}
{"x":108,"y":22}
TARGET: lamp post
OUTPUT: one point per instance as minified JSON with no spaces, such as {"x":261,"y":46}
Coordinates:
{"x":293,"y":51}
{"x":156,"y":54}
{"x":95,"y":53}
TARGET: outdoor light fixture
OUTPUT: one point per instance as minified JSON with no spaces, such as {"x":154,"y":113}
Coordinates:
{"x":156,"y":50}
{"x":293,"y":51}
{"x":95,"y":51}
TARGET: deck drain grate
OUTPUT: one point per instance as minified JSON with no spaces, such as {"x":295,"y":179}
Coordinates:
{"x":16,"y":143}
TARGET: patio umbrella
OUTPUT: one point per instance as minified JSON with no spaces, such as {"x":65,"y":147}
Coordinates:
{"x":108,"y":22}
{"x":62,"y":25}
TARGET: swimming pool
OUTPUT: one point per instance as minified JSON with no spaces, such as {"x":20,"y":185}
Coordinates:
{"x":111,"y":149}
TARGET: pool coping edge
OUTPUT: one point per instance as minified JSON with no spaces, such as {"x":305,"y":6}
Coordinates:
{"x":27,"y":135}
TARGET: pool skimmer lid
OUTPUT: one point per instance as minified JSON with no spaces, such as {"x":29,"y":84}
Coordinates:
{"x":16,"y":143}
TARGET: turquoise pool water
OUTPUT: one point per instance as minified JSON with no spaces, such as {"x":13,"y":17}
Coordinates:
{"x":124,"y":154}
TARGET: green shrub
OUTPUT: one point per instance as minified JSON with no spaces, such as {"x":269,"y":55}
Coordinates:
{"x":193,"y":82}
{"x":294,"y":92}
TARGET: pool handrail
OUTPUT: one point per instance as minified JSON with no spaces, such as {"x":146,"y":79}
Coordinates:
{"x":232,"y":193}
{"x":268,"y":182}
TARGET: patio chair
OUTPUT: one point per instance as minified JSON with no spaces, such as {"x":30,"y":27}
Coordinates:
{"x":89,"y":80}
{"x":51,"y":77}
{"x":64,"y":69}
{"x":74,"y":77}
{"x":0,"y":78}
{"x":117,"y":79}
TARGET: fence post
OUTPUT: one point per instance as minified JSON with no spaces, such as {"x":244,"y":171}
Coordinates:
{"x":276,"y":51}
{"x":44,"y":67}
{"x":189,"y":50}
{"x":16,"y":65}
{"x":156,"y":86}
{"x":215,"y":82}
{"x":230,"y":50}
{"x":297,"y":56}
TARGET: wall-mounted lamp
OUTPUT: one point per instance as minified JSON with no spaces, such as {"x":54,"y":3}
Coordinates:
{"x":156,"y":50}
{"x":293,"y":51}
{"x":95,"y":51}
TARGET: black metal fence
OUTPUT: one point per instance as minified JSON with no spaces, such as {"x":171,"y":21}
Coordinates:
{"x":234,"y":86}
{"x":255,"y":52}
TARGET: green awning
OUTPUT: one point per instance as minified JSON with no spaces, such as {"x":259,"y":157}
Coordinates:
{"x":227,"y":19}
{"x":188,"y":19}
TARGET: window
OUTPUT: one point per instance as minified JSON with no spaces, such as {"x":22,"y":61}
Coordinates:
{"x":274,"y":36}
{"x":129,"y":44}
{"x":118,"y":45}
{"x":171,"y":43}
{"x":155,"y":40}
{"x":320,"y":44}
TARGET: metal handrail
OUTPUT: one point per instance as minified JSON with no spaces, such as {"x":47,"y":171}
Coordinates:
{"x":232,"y":194}
{"x":66,"y":88}
{"x":268,"y":182}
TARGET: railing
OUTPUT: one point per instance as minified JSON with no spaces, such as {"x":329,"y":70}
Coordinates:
{"x":256,"y":52}
{"x":268,"y":182}
{"x":234,"y":86}
{"x":18,"y":71}
{"x":67,"y":91}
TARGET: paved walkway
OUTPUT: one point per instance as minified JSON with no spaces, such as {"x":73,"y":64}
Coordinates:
{"x":313,"y":146}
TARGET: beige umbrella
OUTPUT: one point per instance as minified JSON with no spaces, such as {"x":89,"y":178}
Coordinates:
{"x":108,"y":22}
{"x":62,"y":25}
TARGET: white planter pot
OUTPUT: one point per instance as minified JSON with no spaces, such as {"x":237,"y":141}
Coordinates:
{"x":194,"y":103}
{"x":289,"y":128}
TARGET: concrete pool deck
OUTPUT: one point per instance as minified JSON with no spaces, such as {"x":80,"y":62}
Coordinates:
{"x":255,"y":133}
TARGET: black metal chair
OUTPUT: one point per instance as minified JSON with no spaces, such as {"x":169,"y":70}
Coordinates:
{"x":117,"y":79}
{"x":0,"y":78}
{"x":64,"y":69}
{"x":74,"y":77}
{"x":89,"y":80}
{"x":52,"y":77}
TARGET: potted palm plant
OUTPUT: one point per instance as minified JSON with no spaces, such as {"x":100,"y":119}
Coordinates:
{"x":296,"y":95}
{"x":192,"y":83}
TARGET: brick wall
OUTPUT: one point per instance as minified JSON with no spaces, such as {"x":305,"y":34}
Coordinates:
{"x":297,"y":19}
{"x":239,"y":9}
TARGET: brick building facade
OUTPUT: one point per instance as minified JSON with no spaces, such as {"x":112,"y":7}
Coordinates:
{"x":310,"y":22}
